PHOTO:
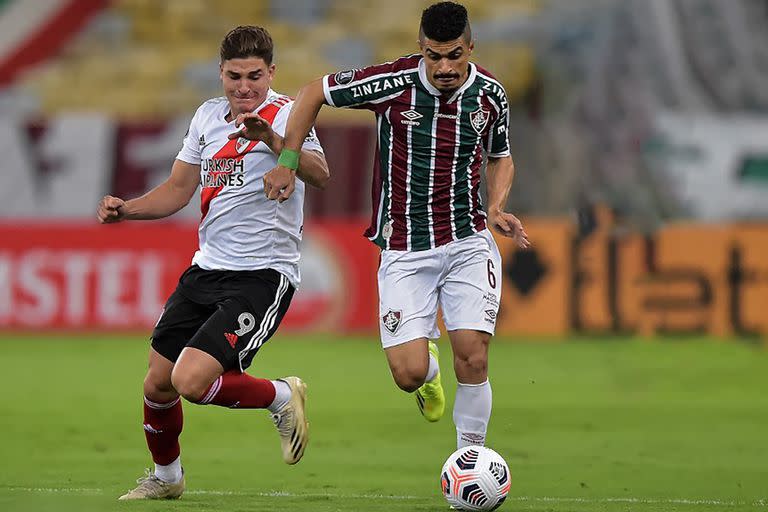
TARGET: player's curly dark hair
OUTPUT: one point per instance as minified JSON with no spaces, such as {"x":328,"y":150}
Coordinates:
{"x":445,"y":21}
{"x":247,"y":41}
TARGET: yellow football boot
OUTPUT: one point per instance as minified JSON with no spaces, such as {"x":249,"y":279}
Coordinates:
{"x":430,"y":396}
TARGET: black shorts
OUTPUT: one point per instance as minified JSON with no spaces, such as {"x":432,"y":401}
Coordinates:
{"x":225,"y":313}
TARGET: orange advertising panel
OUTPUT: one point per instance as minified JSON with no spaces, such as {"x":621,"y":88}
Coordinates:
{"x":535,"y":291}
{"x":748,"y":280}
{"x":709,"y":279}
{"x":633,"y":257}
{"x":593,"y":309}
{"x":686,"y":289}
{"x":688,"y":278}
{"x":605,"y":287}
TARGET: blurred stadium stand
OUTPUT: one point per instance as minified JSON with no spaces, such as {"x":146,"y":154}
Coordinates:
{"x":160,"y":58}
{"x":604,"y":93}
{"x":652,"y":107}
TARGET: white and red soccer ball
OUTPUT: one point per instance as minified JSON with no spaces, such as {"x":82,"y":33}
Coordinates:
{"x":475,"y":478}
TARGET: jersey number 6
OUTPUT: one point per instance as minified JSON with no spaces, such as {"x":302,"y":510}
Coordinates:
{"x":491,"y":275}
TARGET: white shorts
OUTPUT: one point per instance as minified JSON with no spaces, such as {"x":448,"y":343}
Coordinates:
{"x":463,"y":277}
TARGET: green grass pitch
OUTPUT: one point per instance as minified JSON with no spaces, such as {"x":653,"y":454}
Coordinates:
{"x":587,"y":425}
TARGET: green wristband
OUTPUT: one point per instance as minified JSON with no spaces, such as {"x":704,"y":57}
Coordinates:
{"x":289,"y":158}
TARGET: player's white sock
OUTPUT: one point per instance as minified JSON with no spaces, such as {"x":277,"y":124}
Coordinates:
{"x":471,"y":412}
{"x":282,"y":395}
{"x":170,"y":473}
{"x":434,"y":368}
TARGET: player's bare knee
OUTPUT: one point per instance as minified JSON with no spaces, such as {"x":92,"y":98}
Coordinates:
{"x":191,"y":388}
{"x":158,"y":388}
{"x":471,"y":366}
{"x":409,"y":379}
{"x":409,"y":385}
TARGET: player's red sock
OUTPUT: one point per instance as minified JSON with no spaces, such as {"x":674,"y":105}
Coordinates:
{"x":162,"y":427}
{"x":239,"y":390}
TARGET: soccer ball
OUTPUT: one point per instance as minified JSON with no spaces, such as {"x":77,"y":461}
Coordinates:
{"x":475,"y":478}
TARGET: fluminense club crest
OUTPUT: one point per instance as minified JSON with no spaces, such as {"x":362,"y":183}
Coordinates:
{"x":479,"y":119}
{"x":391,"y":320}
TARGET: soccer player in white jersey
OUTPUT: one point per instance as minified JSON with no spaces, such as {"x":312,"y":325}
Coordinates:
{"x":437,"y":114}
{"x":233,"y":297}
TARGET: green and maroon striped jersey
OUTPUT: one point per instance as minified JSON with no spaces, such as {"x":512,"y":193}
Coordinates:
{"x":426,"y":184}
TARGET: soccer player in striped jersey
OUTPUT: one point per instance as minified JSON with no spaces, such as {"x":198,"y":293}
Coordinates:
{"x":233,"y":297}
{"x":437,"y":114}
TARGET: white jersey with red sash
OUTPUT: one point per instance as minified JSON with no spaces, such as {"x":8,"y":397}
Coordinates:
{"x":240,"y":229}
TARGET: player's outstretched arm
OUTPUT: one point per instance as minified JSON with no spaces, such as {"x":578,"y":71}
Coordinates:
{"x":279,"y":183}
{"x":499,"y":175}
{"x":303,"y":114}
{"x":166,"y":199}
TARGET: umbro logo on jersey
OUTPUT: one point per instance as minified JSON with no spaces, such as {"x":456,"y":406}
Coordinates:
{"x":411,"y":117}
{"x":202,"y":140}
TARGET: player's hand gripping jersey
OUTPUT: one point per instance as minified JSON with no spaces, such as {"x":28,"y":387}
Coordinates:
{"x":426,"y":185}
{"x":240,"y":228}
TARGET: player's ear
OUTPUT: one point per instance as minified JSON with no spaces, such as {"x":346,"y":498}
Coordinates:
{"x":420,"y":40}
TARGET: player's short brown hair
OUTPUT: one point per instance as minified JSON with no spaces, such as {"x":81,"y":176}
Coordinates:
{"x":247,"y":41}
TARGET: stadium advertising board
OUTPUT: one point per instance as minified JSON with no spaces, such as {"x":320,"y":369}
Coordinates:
{"x":686,"y":279}
{"x":83,"y":276}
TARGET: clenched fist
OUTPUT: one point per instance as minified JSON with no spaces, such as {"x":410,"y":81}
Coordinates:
{"x":110,"y":210}
{"x":279,"y":183}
